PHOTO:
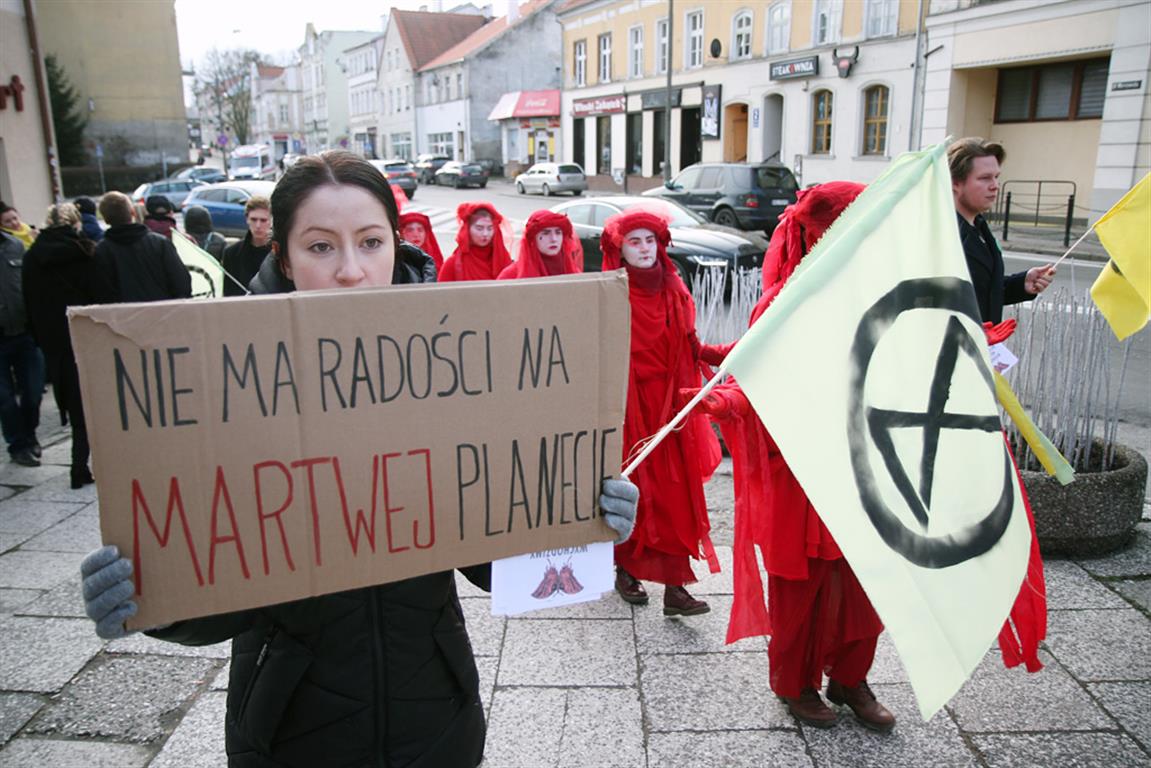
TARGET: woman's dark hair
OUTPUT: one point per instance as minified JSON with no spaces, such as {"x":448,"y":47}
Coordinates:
{"x":334,"y":167}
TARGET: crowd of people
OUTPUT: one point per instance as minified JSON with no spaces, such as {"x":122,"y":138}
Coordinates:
{"x":298,"y":692}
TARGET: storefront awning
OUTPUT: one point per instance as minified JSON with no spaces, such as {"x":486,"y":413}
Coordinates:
{"x":526,"y":104}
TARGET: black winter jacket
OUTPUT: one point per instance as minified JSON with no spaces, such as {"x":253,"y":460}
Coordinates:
{"x":138,"y":265}
{"x":242,"y":261}
{"x":12,"y":318}
{"x":382,"y":676}
{"x":985,"y":263}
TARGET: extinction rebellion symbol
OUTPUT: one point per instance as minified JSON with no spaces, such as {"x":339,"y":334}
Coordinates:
{"x":870,"y":429}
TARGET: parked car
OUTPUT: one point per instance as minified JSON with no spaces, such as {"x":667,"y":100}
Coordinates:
{"x":398,"y":172}
{"x":252,"y":162}
{"x":695,"y":242}
{"x":733,"y":194}
{"x":457,"y":174}
{"x":176,"y":190}
{"x":200,"y":173}
{"x":427,"y":165}
{"x":225,"y":201}
{"x":547,"y":178}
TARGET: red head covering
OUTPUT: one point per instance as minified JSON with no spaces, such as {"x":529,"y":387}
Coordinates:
{"x":430,"y":246}
{"x":400,"y":195}
{"x":800,"y":226}
{"x":468,"y":262}
{"x":531,"y":263}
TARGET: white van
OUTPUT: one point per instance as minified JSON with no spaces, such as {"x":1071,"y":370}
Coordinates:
{"x":252,"y":162}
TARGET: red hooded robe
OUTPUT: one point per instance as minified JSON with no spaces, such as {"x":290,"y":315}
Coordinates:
{"x":531,"y":263}
{"x":469,"y":262}
{"x":431,"y":247}
{"x":671,"y":522}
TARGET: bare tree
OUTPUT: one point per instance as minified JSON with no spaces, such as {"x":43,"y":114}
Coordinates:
{"x":224,"y":80}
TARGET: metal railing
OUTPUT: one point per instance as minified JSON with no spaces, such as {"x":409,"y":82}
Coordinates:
{"x":1037,"y":203}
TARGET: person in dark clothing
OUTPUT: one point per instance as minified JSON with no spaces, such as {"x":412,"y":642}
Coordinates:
{"x":974,"y":166}
{"x":377,"y":676}
{"x":242,"y":260}
{"x":59,"y":272}
{"x":21,"y":364}
{"x":159,"y":219}
{"x":133,"y":263}
{"x":89,"y":224}
{"x":198,"y":225}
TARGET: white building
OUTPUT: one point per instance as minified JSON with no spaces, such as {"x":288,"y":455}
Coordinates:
{"x":360,"y":63}
{"x":277,"y":118}
{"x":324,"y":87}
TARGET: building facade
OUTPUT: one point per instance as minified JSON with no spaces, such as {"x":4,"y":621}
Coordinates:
{"x":29,"y":176}
{"x":276,"y":109}
{"x":360,"y":61}
{"x":1064,"y":86}
{"x":133,"y":88}
{"x":824,"y":86}
{"x":324,"y":87}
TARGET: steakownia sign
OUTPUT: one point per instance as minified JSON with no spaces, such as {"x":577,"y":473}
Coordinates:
{"x":257,"y":450}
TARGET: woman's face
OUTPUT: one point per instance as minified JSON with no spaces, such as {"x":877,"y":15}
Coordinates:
{"x":10,"y":219}
{"x":414,"y":233}
{"x":481,"y":230}
{"x":341,"y":238}
{"x":639,"y":248}
{"x":550,"y":240}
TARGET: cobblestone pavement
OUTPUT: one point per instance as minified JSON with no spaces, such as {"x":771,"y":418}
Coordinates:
{"x":598,"y":685}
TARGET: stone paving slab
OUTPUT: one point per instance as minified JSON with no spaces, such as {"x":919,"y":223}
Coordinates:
{"x":136,"y":699}
{"x":39,"y":753}
{"x":710,"y":692}
{"x":10,"y":541}
{"x":1101,"y":645}
{"x":712,"y":583}
{"x":79,"y":533}
{"x":886,"y":668}
{"x":59,"y":488}
{"x":509,"y":739}
{"x":17,"y":475}
{"x":488,"y":667}
{"x":141,"y":643}
{"x":1127,"y":703}
{"x":1050,"y":750}
{"x":1071,"y":587}
{"x":656,"y":633}
{"x":12,"y":600}
{"x":1134,"y":560}
{"x":7,"y":492}
{"x":912,"y":743}
{"x":728,"y":749}
{"x":16,"y":709}
{"x":25,"y":515}
{"x":66,"y":599}
{"x":562,"y":652}
{"x":486,"y":631}
{"x":998,"y":699}
{"x":51,"y":652}
{"x":1138,"y":592}
{"x":610,"y":606}
{"x":198,"y":742}
{"x":37,"y":570}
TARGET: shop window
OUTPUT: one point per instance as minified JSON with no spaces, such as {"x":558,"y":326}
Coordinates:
{"x":875,"y":107}
{"x":778,"y":27}
{"x":1069,"y":90}
{"x":821,"y":123}
{"x":603,"y":144}
{"x":635,"y":143}
{"x":741,"y":36}
{"x":658,"y":140}
{"x":579,"y":146}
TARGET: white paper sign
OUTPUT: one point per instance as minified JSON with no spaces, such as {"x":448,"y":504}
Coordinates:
{"x":552,"y":578}
{"x":1002,"y":358}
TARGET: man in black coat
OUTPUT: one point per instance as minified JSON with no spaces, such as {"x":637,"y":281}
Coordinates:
{"x":974,"y":165}
{"x":133,"y":263}
{"x":242,"y":260}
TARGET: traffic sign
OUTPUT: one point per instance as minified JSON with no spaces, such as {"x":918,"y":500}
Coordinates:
{"x":222,"y":139}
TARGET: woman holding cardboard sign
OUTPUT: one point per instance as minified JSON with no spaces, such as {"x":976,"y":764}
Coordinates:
{"x":666,"y":355}
{"x":381,"y":675}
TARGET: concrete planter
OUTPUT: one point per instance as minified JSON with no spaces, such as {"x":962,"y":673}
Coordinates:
{"x":1095,"y":514}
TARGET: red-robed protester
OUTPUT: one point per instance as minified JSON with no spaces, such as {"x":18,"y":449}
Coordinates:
{"x":481,"y":253}
{"x":416,"y":228}
{"x":672,"y":526}
{"x":549,"y":247}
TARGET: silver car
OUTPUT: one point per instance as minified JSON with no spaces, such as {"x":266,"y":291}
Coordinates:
{"x":547,"y":178}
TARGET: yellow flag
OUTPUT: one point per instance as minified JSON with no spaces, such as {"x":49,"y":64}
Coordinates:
{"x":1123,"y":290}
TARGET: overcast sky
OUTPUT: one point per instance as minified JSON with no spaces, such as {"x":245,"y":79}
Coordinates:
{"x":276,"y":28}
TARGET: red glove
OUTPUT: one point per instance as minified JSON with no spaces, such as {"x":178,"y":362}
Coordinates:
{"x":714,"y":354}
{"x":997,"y":334}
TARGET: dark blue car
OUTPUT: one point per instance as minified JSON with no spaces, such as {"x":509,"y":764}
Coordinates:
{"x":225,"y":201}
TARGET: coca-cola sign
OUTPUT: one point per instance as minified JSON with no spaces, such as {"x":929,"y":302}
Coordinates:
{"x":599,"y":105}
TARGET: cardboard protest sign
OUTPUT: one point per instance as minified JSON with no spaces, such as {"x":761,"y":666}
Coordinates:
{"x":263,"y":449}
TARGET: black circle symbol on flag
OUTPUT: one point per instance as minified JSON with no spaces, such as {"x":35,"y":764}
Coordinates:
{"x":200,"y":274}
{"x":869,"y":429}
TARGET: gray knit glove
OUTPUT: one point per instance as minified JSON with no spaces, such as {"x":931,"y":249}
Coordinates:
{"x":618,"y":501}
{"x":108,"y":591}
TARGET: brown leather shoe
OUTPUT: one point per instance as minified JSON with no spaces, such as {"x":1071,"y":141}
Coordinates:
{"x":862,"y":702}
{"x":809,"y":709}
{"x":629,"y":588}
{"x":677,"y":602}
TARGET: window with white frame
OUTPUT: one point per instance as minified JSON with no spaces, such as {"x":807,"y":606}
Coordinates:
{"x":827,"y":21}
{"x":662,"y":49}
{"x":283,"y":113}
{"x":741,"y":35}
{"x":604,"y":46}
{"x":407,"y":97}
{"x":694,"y":40}
{"x":579,"y":66}
{"x":441,"y":144}
{"x":635,"y":52}
{"x":880,"y":17}
{"x":778,"y":27}
{"x":460,"y":84}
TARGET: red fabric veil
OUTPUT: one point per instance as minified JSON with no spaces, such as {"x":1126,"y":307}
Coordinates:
{"x":431,"y":247}
{"x":531,"y":263}
{"x":468,"y":262}
{"x":671,"y":524}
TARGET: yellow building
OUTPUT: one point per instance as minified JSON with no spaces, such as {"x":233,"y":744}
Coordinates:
{"x":123,"y":58}
{"x":825,"y":86}
{"x":28,"y":177}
